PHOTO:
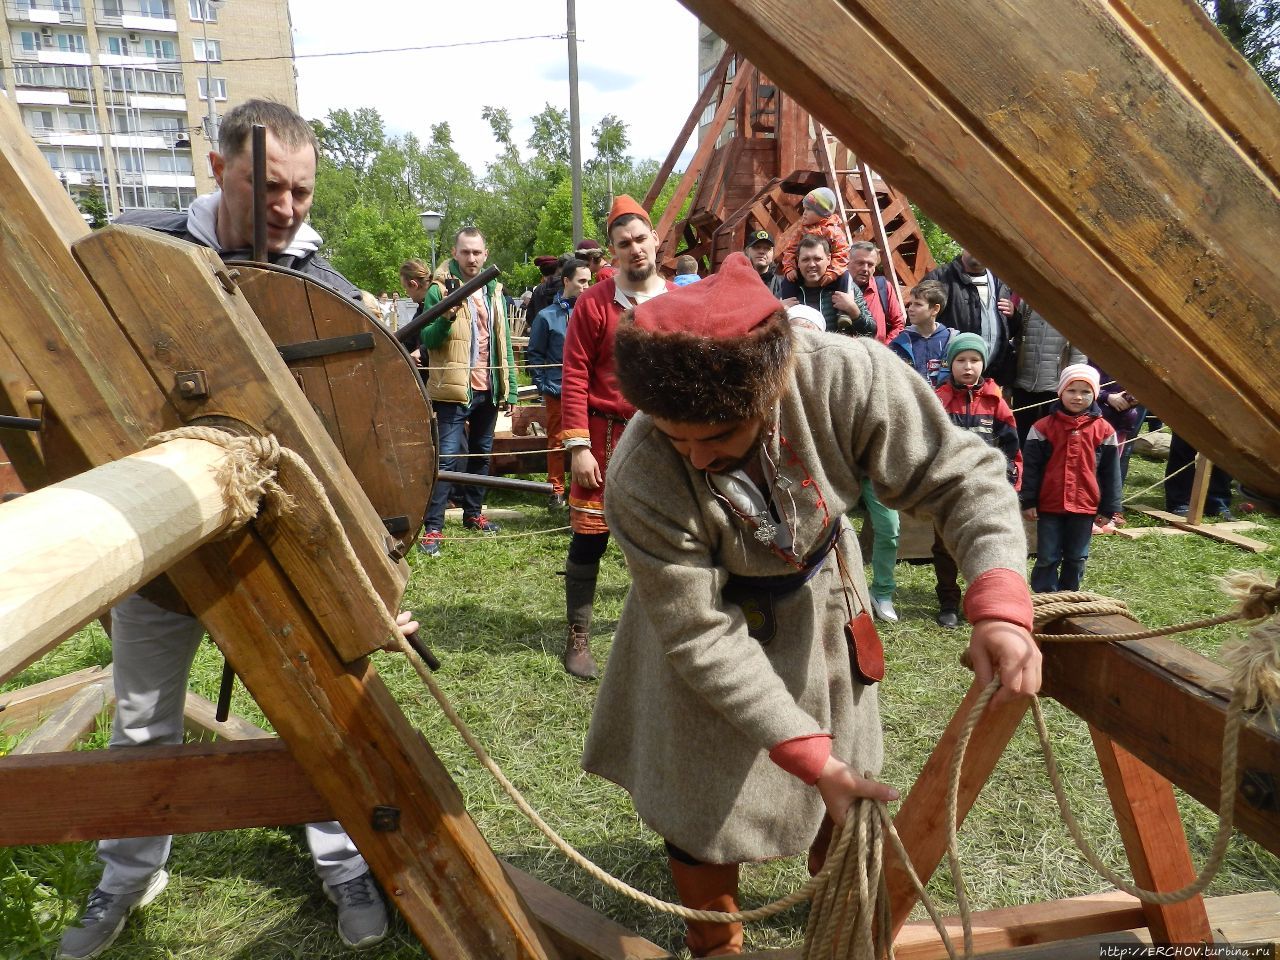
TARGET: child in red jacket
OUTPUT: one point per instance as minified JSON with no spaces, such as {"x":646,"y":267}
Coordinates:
{"x":1071,"y":479}
{"x":975,"y":404}
{"x":819,"y":217}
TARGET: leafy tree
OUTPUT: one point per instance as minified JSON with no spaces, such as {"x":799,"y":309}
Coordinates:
{"x":550,"y":140}
{"x":351,"y":139}
{"x":93,"y":206}
{"x":1253,"y":28}
{"x":376,"y":242}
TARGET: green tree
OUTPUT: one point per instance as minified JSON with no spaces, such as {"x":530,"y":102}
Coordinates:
{"x":351,"y":139}
{"x":93,"y":206}
{"x":1253,"y":28}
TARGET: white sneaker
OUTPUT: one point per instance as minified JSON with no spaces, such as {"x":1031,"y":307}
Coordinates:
{"x":883,"y":610}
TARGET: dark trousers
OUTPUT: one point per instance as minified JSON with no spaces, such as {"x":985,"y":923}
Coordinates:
{"x":1061,"y":539}
{"x":1177,"y":490}
{"x":945,"y":569}
{"x":464,"y":428}
{"x":1037,"y":404}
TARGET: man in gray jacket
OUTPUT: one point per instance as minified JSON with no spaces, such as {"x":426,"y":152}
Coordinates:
{"x":739,"y":706}
{"x":153,"y":635}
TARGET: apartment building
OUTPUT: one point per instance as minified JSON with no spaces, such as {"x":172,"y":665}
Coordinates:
{"x":118,"y":94}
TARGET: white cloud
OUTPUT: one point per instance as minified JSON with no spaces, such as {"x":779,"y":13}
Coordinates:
{"x":636,"y":61}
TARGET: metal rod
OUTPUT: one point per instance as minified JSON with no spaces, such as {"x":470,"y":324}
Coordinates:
{"x":260,"y":193}
{"x":498,"y":483}
{"x":408,"y":334}
{"x":20,"y":423}
{"x":223,"y":709}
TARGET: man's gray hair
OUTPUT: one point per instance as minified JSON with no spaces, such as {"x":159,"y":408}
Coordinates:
{"x":864,"y":245}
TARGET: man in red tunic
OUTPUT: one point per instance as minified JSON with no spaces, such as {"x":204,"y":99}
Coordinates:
{"x":594,"y":412}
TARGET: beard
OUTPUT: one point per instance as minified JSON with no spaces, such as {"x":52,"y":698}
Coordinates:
{"x":640,"y":274}
{"x":729,"y":464}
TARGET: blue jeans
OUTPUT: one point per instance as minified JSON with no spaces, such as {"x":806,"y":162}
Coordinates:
{"x":464,"y":428}
{"x":1061,"y":538}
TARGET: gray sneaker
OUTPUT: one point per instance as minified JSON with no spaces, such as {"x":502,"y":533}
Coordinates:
{"x":104,"y":917}
{"x":362,"y":914}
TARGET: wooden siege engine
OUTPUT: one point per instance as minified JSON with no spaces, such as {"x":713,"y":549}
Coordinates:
{"x":1119,"y":175}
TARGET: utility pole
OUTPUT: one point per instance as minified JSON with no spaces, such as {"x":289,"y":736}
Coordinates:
{"x":575,"y":122}
{"x":211,"y":110}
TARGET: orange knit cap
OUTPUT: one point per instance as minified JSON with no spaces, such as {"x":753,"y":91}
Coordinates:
{"x":622,"y":205}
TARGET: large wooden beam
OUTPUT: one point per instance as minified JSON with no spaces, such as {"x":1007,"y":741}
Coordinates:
{"x":73,"y":548}
{"x":24,"y":707}
{"x":1121,"y":688}
{"x":1115,"y":162}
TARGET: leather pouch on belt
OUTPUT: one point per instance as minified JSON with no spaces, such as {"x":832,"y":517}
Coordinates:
{"x":866,"y":652}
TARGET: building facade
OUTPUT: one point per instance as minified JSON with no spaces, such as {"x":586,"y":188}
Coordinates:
{"x":119,"y":94}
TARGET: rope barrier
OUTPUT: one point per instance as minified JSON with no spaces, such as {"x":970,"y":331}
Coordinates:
{"x":1161,"y":482}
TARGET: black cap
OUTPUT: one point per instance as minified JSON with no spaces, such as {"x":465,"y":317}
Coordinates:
{"x":760,"y":236}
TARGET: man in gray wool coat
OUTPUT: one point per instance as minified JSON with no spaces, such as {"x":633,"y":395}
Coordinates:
{"x":739,"y":706}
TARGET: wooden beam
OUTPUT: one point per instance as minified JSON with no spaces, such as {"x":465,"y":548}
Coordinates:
{"x":23,"y":708}
{"x":922,"y":818}
{"x":200,"y":719}
{"x":705,"y":96}
{"x":73,"y":548}
{"x":155,"y":790}
{"x":1199,"y":489}
{"x":667,"y":237}
{"x":1119,"y":687}
{"x":1099,"y":170}
{"x":1151,"y":828}
{"x":877,"y":220}
{"x":71,"y":722}
{"x":1214,"y":531}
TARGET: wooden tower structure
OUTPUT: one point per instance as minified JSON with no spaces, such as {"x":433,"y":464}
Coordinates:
{"x":758,"y":155}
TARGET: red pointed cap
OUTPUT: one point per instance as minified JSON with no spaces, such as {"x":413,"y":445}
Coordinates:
{"x":622,"y":205}
{"x":724,"y":306}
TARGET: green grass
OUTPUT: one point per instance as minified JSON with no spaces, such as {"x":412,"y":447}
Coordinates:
{"x":493,"y":612}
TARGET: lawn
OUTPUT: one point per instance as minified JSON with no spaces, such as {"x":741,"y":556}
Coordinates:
{"x":492,"y":609}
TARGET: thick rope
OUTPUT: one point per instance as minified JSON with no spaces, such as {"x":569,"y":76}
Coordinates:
{"x":247,"y":474}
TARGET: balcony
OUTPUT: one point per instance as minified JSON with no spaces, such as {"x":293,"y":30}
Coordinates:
{"x":133,"y":17}
{"x":43,"y":13}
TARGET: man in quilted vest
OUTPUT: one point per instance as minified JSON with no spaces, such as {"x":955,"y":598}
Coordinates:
{"x":470,"y":377}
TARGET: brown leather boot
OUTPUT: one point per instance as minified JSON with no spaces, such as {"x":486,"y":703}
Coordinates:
{"x":709,"y":886}
{"x":577,"y":657}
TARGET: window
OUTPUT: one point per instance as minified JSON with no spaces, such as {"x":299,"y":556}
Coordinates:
{"x":50,"y":76}
{"x":202,"y":10}
{"x":81,"y":122}
{"x":159,"y":49}
{"x":87,"y":162}
{"x":118,"y":46}
{"x":159,"y":9}
{"x":41,"y":120}
{"x":112,"y":8}
{"x":71,"y":42}
{"x":219,"y":88}
{"x":30,"y":41}
{"x":209,"y":50}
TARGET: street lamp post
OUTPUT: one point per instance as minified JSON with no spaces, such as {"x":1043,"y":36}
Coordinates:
{"x":431,"y":224}
{"x":211,"y":114}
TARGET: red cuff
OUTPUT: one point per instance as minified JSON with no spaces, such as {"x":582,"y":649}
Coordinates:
{"x":999,"y":594}
{"x":803,"y":757}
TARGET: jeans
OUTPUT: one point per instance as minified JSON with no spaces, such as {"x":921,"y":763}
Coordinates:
{"x":1061,"y":538}
{"x":947,"y":573}
{"x":884,"y":543}
{"x":464,"y":428}
{"x":1177,"y":490}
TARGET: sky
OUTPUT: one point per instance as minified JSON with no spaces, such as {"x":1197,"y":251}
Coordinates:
{"x":652,"y":86}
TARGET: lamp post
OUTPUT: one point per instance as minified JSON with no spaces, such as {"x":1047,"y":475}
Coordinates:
{"x":211,"y":114}
{"x":431,"y":224}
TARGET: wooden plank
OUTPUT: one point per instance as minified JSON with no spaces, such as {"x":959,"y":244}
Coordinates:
{"x":1214,"y":531}
{"x":1009,"y":927}
{"x":715,"y":84}
{"x":70,"y":723}
{"x":1230,"y":526}
{"x":200,"y":719}
{"x":20,"y":448}
{"x":667,"y":237}
{"x":580,"y":932}
{"x":73,"y":548}
{"x":21,"y":709}
{"x":1151,"y":828}
{"x":248,"y":382}
{"x":1199,"y":489}
{"x":1119,"y":687}
{"x":878,"y":218}
{"x":922,"y":818}
{"x":143,"y":791}
{"x":1096,"y":178}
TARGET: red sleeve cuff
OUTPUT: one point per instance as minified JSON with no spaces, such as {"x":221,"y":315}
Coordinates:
{"x":803,"y":757}
{"x":999,"y":594}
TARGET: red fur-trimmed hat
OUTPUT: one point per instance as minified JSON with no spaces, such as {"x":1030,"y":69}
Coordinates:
{"x":622,"y":205}
{"x":711,"y":352}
